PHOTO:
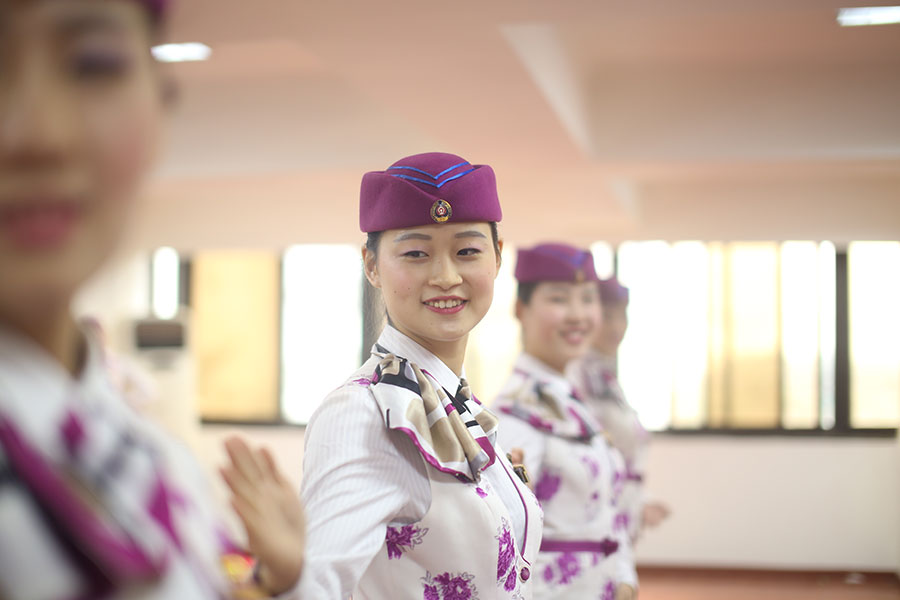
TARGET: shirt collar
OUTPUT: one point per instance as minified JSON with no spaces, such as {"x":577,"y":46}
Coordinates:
{"x":403,"y":346}
{"x":540,"y":370}
{"x":35,"y":388}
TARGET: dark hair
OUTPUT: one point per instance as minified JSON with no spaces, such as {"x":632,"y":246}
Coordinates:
{"x":374,"y":238}
{"x":525,"y":291}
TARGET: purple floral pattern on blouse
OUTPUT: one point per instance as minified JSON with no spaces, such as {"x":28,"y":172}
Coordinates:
{"x":609,"y":591}
{"x":481,"y":493}
{"x":564,"y":570}
{"x":547,"y":486}
{"x":618,"y":485}
{"x":510,"y":583}
{"x":367,"y":381}
{"x":591,"y":464}
{"x":403,"y":539}
{"x":449,"y":586}
{"x":569,"y":568}
{"x":548,"y":574}
{"x":621,"y":521}
{"x":506,"y":551}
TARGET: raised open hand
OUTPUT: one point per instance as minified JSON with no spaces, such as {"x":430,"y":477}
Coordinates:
{"x":270,"y":510}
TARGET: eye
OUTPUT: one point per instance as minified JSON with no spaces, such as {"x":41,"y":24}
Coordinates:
{"x":469,"y":252}
{"x":415,"y":254}
{"x":99,"y":65}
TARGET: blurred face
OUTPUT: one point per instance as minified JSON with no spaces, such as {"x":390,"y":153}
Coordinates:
{"x":612,"y":328}
{"x":437,"y":280}
{"x":80,"y":110}
{"x":559,"y":321}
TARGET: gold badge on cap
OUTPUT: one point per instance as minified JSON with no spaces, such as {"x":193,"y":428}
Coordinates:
{"x":579,"y":276}
{"x":441,"y":211}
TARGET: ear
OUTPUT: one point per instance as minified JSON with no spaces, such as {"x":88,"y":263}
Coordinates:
{"x":520,"y":308}
{"x":370,"y":267}
{"x":170,"y":91}
{"x":167,"y":85}
{"x":499,"y":256}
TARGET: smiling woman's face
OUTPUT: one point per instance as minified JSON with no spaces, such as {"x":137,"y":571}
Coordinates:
{"x":437,"y":280}
{"x":80,"y":114}
{"x":559,"y":320}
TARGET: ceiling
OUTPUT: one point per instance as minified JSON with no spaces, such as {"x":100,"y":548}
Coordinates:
{"x":722,"y":119}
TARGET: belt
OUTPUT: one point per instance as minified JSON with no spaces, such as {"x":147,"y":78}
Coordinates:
{"x":605,"y":546}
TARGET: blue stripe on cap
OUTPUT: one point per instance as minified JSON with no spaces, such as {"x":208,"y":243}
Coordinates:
{"x":426,"y":173}
{"x":432,"y":184}
{"x":576,"y":260}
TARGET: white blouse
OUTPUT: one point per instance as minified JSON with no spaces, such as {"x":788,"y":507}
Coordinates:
{"x":36,"y":396}
{"x":533,"y":442}
{"x":358,"y":476}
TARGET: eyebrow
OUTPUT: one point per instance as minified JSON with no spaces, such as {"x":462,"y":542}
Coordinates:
{"x":414,"y":235}
{"x":89,"y":22}
{"x":411,"y":235}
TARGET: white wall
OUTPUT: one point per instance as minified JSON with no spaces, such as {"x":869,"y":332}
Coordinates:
{"x":784,"y":503}
{"x":770,"y":503}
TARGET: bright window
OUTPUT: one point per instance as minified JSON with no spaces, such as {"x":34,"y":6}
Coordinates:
{"x":321,"y":324}
{"x":874,"y":276}
{"x":234,"y":334}
{"x":729,"y":335}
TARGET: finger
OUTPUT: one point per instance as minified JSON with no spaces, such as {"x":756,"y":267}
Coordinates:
{"x":242,"y":458}
{"x":518,"y":456}
{"x":241,"y":488}
{"x":249,"y":517}
{"x":272,"y":467}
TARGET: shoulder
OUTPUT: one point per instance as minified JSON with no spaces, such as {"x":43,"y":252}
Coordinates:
{"x":353,"y":395}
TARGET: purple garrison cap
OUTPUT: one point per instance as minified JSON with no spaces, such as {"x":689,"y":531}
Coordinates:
{"x":555,"y":262}
{"x":425,"y":189}
{"x":612,"y":292}
{"x":157,"y":8}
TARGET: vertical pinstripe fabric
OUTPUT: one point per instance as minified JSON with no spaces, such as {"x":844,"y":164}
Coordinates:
{"x":358,"y":477}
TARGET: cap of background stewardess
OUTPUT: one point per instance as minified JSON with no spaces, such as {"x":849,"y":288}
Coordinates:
{"x":157,"y":7}
{"x":612,"y":292}
{"x":555,"y":262}
{"x":428,"y":189}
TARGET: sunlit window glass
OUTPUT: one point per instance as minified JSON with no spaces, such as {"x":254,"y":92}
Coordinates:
{"x":645,"y":357}
{"x":827,"y":333}
{"x":604,"y":259}
{"x":752,"y":335}
{"x":800,"y":289}
{"x":874,"y":297}
{"x":234,"y":334}
{"x":689,"y":298}
{"x":321,"y":325}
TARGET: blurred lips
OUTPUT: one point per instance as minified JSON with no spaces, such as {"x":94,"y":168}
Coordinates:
{"x":575,"y":337}
{"x":39,"y":222}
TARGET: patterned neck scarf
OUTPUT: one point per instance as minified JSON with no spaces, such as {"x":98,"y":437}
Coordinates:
{"x":550,"y":405}
{"x":454,"y":433}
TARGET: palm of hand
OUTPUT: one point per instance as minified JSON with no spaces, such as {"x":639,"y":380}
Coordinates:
{"x":270,"y":510}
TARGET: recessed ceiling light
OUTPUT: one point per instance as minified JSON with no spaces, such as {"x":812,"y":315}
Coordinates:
{"x":189,"y":52}
{"x":868,"y":15}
